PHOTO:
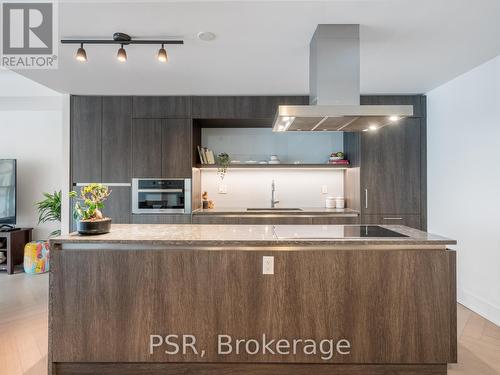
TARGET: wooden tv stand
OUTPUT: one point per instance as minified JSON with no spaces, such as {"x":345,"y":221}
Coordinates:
{"x":14,"y":247}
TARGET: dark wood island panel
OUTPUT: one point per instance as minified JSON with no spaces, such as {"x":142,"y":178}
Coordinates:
{"x":393,"y":306}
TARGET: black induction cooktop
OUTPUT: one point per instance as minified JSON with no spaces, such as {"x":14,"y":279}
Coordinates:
{"x":334,"y":231}
{"x":370,"y":231}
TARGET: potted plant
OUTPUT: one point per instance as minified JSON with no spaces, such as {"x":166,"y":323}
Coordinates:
{"x":87,"y":209}
{"x":223,"y":161}
{"x":49,"y":209}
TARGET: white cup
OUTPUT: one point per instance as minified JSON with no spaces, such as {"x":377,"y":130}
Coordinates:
{"x":339,"y":202}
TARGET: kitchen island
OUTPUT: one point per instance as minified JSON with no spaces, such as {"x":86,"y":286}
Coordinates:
{"x":241,"y":299}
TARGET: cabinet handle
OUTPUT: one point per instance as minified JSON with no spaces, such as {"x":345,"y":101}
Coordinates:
{"x":366,"y":198}
{"x":393,"y":218}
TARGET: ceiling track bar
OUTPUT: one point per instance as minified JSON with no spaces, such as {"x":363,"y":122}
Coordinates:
{"x":319,"y":123}
{"x":119,"y":42}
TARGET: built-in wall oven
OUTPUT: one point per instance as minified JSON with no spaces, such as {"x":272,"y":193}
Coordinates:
{"x":161,"y":195}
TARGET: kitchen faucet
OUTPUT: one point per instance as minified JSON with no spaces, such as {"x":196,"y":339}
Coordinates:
{"x":273,"y":190}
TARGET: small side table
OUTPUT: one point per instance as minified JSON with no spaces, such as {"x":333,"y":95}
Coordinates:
{"x":14,"y":246}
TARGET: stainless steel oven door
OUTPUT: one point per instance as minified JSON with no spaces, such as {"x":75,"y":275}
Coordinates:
{"x":157,"y":196}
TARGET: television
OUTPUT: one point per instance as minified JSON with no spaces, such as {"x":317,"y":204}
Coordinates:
{"x":7,"y":192}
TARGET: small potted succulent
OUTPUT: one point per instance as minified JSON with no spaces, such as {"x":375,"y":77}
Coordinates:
{"x":87,"y":209}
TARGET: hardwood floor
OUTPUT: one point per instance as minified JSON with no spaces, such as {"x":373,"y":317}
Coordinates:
{"x":23,"y":331}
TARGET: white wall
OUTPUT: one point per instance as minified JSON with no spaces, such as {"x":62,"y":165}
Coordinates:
{"x":252,"y":188}
{"x":464,"y":180}
{"x":32,"y":129}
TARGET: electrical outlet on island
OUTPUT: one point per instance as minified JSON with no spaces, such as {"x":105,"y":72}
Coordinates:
{"x":324,"y":189}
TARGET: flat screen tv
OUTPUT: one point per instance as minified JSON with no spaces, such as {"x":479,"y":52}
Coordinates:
{"x":7,"y":191}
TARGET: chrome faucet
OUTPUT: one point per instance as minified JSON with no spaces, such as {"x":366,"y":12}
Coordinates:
{"x":273,"y":190}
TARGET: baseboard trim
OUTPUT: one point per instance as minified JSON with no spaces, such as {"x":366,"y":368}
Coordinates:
{"x":479,"y":306}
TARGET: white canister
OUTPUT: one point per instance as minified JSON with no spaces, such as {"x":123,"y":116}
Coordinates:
{"x":339,"y":202}
{"x":330,"y":202}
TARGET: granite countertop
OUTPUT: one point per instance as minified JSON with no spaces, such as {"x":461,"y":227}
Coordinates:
{"x":305,"y":211}
{"x":244,"y":235}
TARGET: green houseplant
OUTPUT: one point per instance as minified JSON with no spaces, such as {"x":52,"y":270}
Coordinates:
{"x":49,"y":209}
{"x":223,"y":161}
{"x":87,"y":209}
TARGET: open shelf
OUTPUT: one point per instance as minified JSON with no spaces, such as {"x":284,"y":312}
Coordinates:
{"x":275,"y":166}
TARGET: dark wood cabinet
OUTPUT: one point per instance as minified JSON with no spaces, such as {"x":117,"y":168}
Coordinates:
{"x":390,"y":171}
{"x":412,"y":221}
{"x":331,"y":220}
{"x":272,"y":220}
{"x":387,"y":180}
{"x":147,"y":148}
{"x":161,"y":148}
{"x":241,"y":107}
{"x":85,"y":137}
{"x":119,"y":206}
{"x":176,"y":148}
{"x":161,"y":219}
{"x":116,"y":138}
{"x":161,"y":107}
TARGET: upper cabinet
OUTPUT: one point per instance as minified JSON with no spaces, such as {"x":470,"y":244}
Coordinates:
{"x":116,"y":138}
{"x":161,"y":148}
{"x":146,"y":147}
{"x":241,"y":107}
{"x":85,"y":134}
{"x":176,"y":148}
{"x":100,"y":139}
{"x":161,"y":107}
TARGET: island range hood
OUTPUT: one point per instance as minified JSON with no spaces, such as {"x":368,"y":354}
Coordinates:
{"x":334,"y":70}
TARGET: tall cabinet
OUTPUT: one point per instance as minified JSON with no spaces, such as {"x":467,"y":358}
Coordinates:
{"x":388,"y":180}
{"x":100,"y":144}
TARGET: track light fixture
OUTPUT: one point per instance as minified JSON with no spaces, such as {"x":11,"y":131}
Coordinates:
{"x":81,"y":55}
{"x":162,"y":54}
{"x":122,"y":54}
{"x":121,"y":39}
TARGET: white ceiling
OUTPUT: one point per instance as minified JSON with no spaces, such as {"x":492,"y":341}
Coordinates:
{"x":262,"y":47}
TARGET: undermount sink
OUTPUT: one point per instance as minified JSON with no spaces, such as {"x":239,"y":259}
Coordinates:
{"x":274,"y":209}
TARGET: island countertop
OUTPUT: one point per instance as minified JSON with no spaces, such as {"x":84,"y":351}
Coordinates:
{"x":249,"y":235}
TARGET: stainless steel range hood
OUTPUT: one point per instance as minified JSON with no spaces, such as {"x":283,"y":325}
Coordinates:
{"x":334,"y":67}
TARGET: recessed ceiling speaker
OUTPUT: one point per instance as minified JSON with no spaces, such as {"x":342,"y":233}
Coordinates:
{"x":206,"y":36}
